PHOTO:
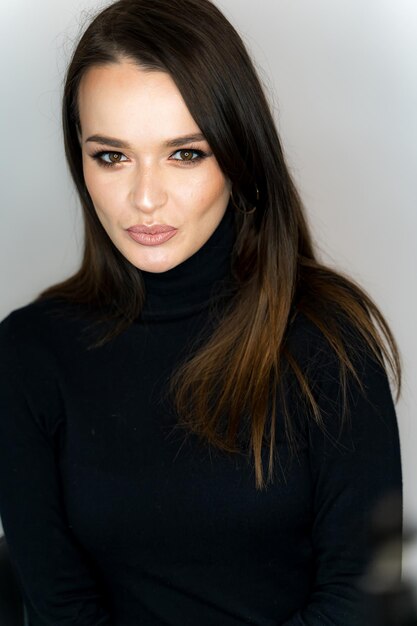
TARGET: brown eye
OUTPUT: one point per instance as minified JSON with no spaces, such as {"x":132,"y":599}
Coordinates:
{"x":186,"y":155}
{"x":109,"y":159}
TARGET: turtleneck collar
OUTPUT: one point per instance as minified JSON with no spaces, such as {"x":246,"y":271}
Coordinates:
{"x":190,"y":286}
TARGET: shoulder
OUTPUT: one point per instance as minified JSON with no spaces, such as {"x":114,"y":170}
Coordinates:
{"x":39,"y":344}
{"x":311,"y":344}
{"x":36,"y":332}
{"x":40,"y":313}
{"x":307,"y":343}
{"x":46,"y":315}
{"x":332,"y":382}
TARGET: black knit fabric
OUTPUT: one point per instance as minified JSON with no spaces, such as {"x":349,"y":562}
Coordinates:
{"x":113,"y":517}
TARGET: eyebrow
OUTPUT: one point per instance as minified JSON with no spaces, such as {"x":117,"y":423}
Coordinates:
{"x":170,"y":143}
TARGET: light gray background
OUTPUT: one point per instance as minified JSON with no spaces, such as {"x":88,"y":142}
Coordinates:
{"x":342,"y":76}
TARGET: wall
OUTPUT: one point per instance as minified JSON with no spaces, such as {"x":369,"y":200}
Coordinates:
{"x":342,"y":78}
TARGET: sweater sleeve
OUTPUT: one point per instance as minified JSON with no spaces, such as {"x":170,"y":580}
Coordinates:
{"x":352,"y":471}
{"x":54,"y":574}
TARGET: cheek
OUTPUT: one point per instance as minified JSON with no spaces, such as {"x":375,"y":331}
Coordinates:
{"x":208,"y":188}
{"x":98,"y":185}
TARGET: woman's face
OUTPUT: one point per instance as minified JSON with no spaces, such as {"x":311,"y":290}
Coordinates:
{"x":141,"y":170}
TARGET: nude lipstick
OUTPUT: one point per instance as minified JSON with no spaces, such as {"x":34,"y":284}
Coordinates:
{"x":152,"y":235}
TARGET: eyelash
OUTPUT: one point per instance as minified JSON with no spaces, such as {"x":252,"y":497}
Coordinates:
{"x":98,"y":157}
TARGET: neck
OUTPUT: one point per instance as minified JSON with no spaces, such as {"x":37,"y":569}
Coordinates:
{"x":190,"y":286}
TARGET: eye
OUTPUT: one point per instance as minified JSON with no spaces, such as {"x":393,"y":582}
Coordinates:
{"x":188,"y":155}
{"x":113,"y":158}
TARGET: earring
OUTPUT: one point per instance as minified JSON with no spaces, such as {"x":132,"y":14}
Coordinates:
{"x":238,"y":207}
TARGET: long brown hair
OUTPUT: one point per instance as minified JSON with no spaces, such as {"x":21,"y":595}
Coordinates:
{"x":273,"y":260}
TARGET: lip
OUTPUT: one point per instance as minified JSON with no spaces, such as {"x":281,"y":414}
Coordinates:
{"x":151,"y":235}
{"x":151,"y":230}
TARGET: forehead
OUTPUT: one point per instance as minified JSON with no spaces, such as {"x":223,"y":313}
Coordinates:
{"x":125,"y":101}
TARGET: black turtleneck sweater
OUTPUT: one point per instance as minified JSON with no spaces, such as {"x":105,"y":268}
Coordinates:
{"x":114,"y":519}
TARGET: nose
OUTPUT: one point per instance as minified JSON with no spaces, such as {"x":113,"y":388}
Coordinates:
{"x":147,"y":188}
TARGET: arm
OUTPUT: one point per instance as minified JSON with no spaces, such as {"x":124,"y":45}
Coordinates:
{"x":349,"y":478}
{"x":55,"y":578}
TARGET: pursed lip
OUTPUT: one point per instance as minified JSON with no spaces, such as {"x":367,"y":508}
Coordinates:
{"x":151,"y":230}
{"x":152,"y":239}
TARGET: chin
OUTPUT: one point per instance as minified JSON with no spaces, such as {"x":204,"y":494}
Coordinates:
{"x":156,"y":267}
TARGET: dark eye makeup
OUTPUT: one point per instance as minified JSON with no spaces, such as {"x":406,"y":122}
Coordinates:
{"x":196,"y":155}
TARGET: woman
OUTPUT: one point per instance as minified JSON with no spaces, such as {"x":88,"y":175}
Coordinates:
{"x":197,"y":425}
